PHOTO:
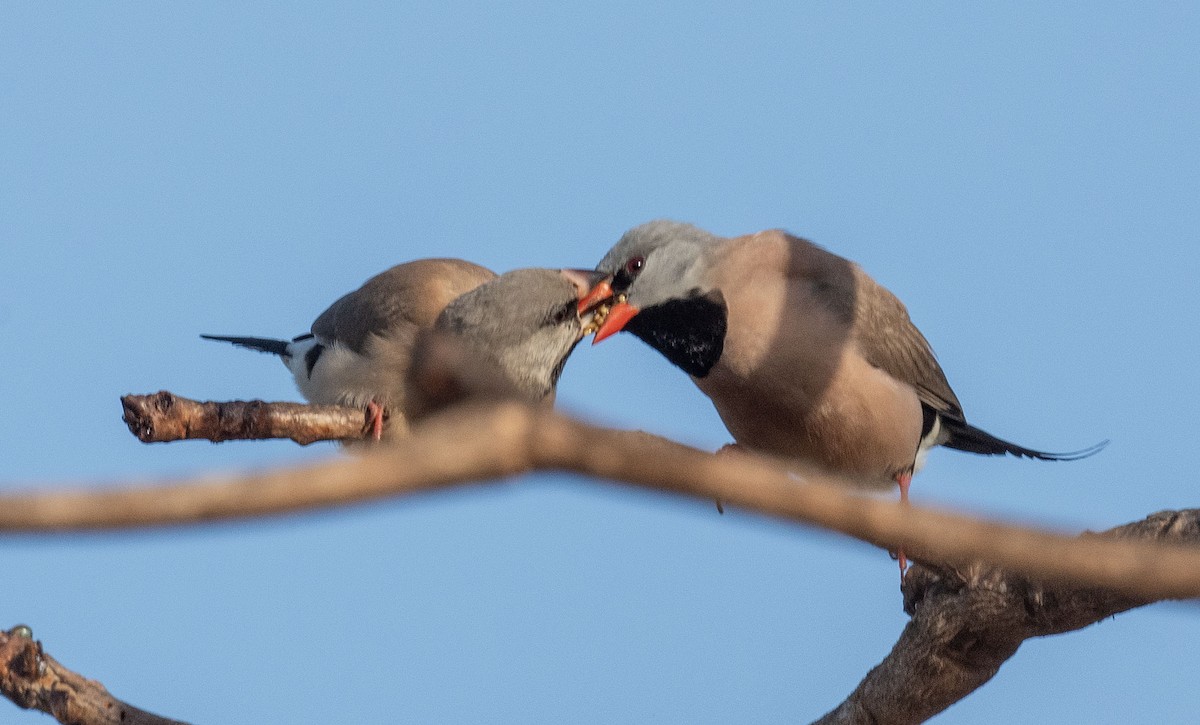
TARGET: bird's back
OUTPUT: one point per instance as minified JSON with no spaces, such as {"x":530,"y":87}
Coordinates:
{"x":409,"y":295}
{"x":365,"y":339}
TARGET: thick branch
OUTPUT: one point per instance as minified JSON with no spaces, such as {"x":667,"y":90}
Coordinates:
{"x":34,"y":680}
{"x":471,"y":444}
{"x":164,"y":416}
{"x":967,"y":622}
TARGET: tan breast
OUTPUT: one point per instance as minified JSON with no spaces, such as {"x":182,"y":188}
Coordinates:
{"x":791,"y":381}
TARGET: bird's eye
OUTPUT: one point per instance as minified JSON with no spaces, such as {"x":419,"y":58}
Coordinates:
{"x":626,"y":274}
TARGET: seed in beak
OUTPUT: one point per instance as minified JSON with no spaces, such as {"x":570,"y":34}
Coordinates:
{"x":597,"y":319}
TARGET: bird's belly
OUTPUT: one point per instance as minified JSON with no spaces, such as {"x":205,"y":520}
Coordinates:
{"x":344,"y":377}
{"x":859,"y":423}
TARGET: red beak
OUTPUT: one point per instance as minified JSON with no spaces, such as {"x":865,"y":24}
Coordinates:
{"x":619,"y":316}
{"x":600,"y":292}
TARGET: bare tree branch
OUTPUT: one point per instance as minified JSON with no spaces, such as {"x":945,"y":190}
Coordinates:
{"x":34,"y":680}
{"x":968,"y":617}
{"x":473,"y":444}
{"x":967,"y":622}
{"x":164,"y":417}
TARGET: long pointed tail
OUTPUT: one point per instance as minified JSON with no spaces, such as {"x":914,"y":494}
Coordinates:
{"x":262,"y":344}
{"x":965,"y":437}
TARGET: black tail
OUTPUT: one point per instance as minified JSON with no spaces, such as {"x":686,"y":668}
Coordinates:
{"x":262,"y":344}
{"x":968,"y":438}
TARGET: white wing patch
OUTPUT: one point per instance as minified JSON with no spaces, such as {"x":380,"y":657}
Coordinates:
{"x":340,"y":376}
{"x":931,"y":439}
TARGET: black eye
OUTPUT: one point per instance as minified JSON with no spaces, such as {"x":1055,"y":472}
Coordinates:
{"x":634,"y":265}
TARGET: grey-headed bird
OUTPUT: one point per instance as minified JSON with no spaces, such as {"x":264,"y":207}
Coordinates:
{"x":803,"y":354}
{"x":428,"y":333}
{"x":358,"y":351}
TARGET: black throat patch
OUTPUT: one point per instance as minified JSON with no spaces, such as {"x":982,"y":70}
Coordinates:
{"x":689,"y":332}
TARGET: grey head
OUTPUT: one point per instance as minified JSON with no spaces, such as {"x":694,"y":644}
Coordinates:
{"x":659,"y":261}
{"x":664,"y":296}
{"x":524,"y":324}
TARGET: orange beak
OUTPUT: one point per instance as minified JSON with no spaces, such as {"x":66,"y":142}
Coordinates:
{"x":600,"y":292}
{"x":619,"y":316}
{"x":592,"y":288}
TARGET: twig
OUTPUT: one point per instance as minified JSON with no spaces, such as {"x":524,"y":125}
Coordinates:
{"x":34,"y":680}
{"x":164,"y":417}
{"x":966,"y":623}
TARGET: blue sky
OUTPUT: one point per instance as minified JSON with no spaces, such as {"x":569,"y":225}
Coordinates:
{"x":1025,"y":178}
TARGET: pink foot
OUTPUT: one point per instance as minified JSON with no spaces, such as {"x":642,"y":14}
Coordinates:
{"x":375,"y":416}
{"x":904,"y":479}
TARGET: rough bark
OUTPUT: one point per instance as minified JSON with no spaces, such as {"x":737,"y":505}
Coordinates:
{"x":164,"y":416}
{"x":34,"y":680}
{"x":966,"y":622}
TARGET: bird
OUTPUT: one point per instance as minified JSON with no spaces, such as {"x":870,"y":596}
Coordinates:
{"x":357,"y":352}
{"x":509,"y":338}
{"x":803,"y":354}
{"x":428,"y":333}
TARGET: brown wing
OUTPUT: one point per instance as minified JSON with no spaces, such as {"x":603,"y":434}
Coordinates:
{"x":890,"y":341}
{"x":407,"y":296}
{"x":879,"y":323}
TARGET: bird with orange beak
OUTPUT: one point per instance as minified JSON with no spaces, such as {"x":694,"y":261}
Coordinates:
{"x":803,"y":354}
{"x":515,"y":330}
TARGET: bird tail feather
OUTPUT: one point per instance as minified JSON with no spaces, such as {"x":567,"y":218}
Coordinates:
{"x":965,"y":437}
{"x":262,"y":344}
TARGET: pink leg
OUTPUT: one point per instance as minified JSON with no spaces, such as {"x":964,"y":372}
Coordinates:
{"x":375,"y":413}
{"x":904,"y":479}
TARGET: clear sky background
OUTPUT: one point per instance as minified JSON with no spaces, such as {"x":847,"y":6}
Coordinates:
{"x":1025,"y":179}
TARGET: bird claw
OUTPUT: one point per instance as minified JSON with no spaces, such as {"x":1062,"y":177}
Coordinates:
{"x":375,"y":420}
